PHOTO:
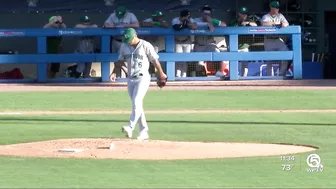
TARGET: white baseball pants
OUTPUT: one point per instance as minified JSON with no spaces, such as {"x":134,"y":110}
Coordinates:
{"x":276,"y":45}
{"x":182,"y":68}
{"x":137,"y":89}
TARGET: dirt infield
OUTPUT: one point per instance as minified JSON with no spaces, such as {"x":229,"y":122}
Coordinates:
{"x":145,"y":150}
{"x":192,"y":85}
{"x":168,"y":150}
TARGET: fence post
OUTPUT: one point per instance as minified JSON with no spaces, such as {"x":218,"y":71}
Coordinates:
{"x":105,"y":66}
{"x":42,"y":67}
{"x":233,"y":47}
{"x":170,"y":66}
{"x":297,"y":56}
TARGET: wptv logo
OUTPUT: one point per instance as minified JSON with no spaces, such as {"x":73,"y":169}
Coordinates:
{"x":314,"y":163}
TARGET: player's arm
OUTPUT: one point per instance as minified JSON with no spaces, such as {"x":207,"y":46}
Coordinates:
{"x":153,"y":57}
{"x":164,"y":24}
{"x":134,"y":22}
{"x":265,"y":21}
{"x":80,"y":26}
{"x":191,"y":24}
{"x":177,"y":25}
{"x":108,"y":22}
{"x":120,"y":61}
{"x":283,"y":20}
{"x":252,"y":24}
{"x":217,"y":22}
{"x":146,"y":23}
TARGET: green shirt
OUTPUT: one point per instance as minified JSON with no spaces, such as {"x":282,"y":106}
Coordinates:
{"x":242,"y":38}
{"x":53,"y":45}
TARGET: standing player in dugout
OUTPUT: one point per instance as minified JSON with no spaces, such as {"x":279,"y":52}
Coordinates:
{"x":275,"y":42}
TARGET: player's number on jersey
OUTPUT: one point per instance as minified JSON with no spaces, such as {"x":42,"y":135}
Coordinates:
{"x":137,"y":65}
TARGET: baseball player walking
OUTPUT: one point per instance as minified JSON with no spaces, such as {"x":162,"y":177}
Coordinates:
{"x":275,"y":43}
{"x":138,"y":54}
{"x":240,"y":21}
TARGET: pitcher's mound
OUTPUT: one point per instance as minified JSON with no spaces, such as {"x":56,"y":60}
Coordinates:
{"x":146,"y":150}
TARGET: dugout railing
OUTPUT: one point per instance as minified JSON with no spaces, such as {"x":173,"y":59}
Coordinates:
{"x":105,"y":57}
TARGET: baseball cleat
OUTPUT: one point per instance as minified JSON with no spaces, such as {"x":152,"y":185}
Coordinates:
{"x":220,"y":74}
{"x":127,"y":130}
{"x":143,"y":135}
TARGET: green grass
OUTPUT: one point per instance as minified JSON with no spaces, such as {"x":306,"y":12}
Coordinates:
{"x":317,"y":129}
{"x":300,"y":128}
{"x":119,"y":100}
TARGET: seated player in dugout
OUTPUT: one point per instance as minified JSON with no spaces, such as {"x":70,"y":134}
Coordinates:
{"x":156,"y":20}
{"x":275,"y":42}
{"x":207,"y":43}
{"x":121,"y":18}
{"x":243,"y":20}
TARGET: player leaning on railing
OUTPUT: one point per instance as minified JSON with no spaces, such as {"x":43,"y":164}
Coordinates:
{"x":207,"y":43}
{"x":85,"y":44}
{"x":121,"y":18}
{"x":157,"y":20}
{"x":183,"y":43}
{"x":54,"y":43}
{"x":242,"y":20}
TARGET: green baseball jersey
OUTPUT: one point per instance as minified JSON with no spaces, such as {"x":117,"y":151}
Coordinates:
{"x":242,"y":38}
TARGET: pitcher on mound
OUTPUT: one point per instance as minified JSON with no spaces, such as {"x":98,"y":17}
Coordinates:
{"x":138,"y":54}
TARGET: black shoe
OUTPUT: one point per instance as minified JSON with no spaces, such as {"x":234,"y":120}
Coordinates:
{"x":75,"y":74}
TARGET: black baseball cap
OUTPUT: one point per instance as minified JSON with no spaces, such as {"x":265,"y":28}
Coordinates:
{"x":206,"y":7}
{"x":185,"y":13}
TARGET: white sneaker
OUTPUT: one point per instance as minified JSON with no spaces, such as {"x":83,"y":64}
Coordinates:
{"x":143,"y":135}
{"x":127,"y":130}
{"x":220,"y":74}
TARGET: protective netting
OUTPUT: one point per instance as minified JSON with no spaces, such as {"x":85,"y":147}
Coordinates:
{"x":251,"y":43}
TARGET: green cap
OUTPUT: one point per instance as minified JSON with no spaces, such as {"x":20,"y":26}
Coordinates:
{"x":85,"y":19}
{"x":274,"y":4}
{"x":121,"y":11}
{"x":52,"y":18}
{"x":243,"y":10}
{"x":157,"y":14}
{"x":129,"y":35}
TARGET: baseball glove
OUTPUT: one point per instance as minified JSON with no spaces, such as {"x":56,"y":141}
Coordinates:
{"x":161,"y":83}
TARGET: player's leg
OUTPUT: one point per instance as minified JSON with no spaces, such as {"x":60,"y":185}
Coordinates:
{"x":186,"y":49}
{"x":128,"y":130}
{"x":244,"y":65}
{"x":269,"y":46}
{"x":284,"y":63}
{"x":224,"y":65}
{"x":178,"y":66}
{"x":54,"y":68}
{"x":139,"y":91}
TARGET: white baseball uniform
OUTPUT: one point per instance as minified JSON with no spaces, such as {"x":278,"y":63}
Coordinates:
{"x":182,"y":45}
{"x":138,"y":60}
{"x":129,"y":18}
{"x":275,"y":43}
